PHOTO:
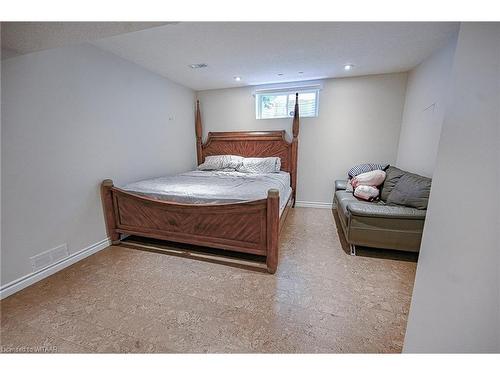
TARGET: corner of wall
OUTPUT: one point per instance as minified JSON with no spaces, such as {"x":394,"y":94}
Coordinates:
{"x":426,"y":96}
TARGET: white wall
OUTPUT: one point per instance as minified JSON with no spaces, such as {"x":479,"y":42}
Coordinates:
{"x":1,"y":56}
{"x":424,"y":109}
{"x":359,"y":121}
{"x":72,"y":117}
{"x":8,"y":53}
{"x":455,"y":304}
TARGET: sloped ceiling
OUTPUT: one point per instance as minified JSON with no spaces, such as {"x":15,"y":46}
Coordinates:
{"x":20,"y":38}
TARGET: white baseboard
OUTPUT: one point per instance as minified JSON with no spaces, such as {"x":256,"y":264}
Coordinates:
{"x":25,"y":281}
{"x":313,"y":204}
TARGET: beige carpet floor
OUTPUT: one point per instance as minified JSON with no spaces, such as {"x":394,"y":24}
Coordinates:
{"x":126,"y":300}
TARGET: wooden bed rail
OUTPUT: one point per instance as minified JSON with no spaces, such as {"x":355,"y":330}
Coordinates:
{"x":249,"y":227}
{"x":198,"y":131}
{"x":295,"y":147}
{"x":109,"y":212}
{"x":273,"y":229}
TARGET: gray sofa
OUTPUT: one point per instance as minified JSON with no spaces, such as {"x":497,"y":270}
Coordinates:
{"x":385,"y":224}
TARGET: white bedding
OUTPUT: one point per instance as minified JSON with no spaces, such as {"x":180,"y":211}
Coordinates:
{"x":214,"y":187}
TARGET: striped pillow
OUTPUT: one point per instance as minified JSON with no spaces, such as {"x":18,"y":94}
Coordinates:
{"x":367,"y":167}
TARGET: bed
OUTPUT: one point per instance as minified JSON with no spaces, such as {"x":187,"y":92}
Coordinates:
{"x":224,"y":210}
{"x":214,"y":187}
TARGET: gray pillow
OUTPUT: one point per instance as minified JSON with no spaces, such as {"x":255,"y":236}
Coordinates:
{"x":392,"y":176}
{"x":221,"y":163}
{"x":411,"y":190}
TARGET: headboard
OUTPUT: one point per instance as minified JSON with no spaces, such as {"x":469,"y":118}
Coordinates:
{"x":252,"y":144}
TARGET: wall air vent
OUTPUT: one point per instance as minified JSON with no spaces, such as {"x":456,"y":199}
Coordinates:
{"x":49,"y":257}
{"x":198,"y":66}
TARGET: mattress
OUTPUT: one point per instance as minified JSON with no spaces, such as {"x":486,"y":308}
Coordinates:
{"x":214,"y":187}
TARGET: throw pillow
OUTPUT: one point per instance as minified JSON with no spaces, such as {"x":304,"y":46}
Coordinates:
{"x":373,"y":178}
{"x":367,"y":167}
{"x":348,"y":187}
{"x":367,"y":193}
{"x":411,"y":190}
{"x":392,"y":176}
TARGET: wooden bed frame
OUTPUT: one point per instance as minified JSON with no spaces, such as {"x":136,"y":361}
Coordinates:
{"x":249,"y":227}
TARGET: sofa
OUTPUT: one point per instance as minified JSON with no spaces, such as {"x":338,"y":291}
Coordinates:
{"x":384,"y":223}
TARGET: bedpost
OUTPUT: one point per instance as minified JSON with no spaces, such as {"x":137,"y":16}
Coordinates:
{"x":109,"y":212}
{"x":198,"y":130}
{"x":273,"y":225}
{"x":295,"y":147}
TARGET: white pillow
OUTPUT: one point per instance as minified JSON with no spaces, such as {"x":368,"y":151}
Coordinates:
{"x":373,"y":178}
{"x":260,"y":165}
{"x":367,"y":193}
{"x":221,"y":162}
{"x":348,"y":187}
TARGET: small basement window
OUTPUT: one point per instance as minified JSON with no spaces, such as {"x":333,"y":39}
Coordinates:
{"x":280,"y":103}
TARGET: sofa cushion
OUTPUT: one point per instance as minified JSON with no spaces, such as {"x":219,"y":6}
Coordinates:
{"x":384,"y":211}
{"x":392,"y":176}
{"x":343,"y":198}
{"x":411,"y":190}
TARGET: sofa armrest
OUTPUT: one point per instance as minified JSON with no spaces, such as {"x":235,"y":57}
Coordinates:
{"x":340,"y":185}
{"x":384,"y":211}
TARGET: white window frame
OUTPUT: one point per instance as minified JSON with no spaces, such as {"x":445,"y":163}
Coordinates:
{"x":285,"y":91}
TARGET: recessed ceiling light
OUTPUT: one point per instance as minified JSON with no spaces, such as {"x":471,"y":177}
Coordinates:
{"x":237,"y":78}
{"x":198,"y":66}
{"x":348,"y":66}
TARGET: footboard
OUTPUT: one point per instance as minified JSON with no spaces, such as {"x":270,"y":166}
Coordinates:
{"x":249,"y":227}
